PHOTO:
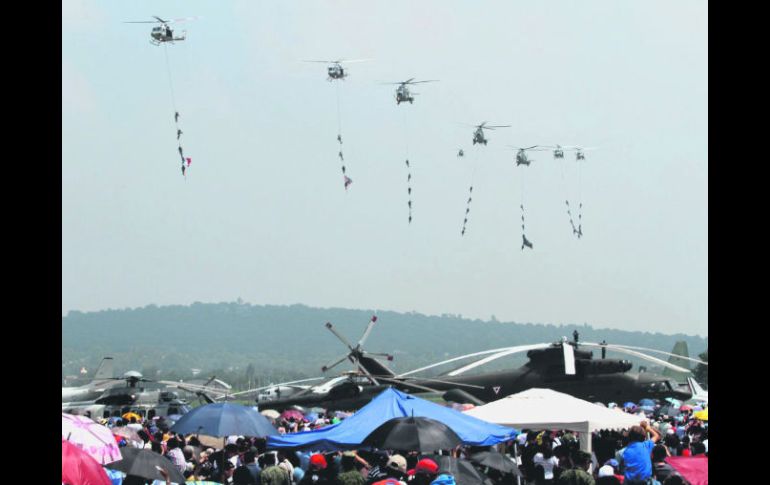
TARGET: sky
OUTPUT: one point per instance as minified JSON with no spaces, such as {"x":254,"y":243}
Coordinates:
{"x":263,"y":215}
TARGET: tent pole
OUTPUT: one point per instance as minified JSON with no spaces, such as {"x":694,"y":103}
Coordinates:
{"x":516,"y":459}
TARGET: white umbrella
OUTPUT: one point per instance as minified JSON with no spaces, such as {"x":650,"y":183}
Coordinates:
{"x":270,"y":413}
{"x":93,"y":438}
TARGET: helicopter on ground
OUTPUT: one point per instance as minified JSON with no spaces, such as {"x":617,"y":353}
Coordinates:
{"x":564,"y":366}
{"x":402,"y":92}
{"x":478,"y":135}
{"x":521,"y":154}
{"x":148,"y":403}
{"x":335,"y":70}
{"x":101,"y":381}
{"x":163,"y":33}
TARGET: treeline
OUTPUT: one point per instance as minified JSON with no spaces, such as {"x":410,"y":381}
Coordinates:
{"x":247,"y":344}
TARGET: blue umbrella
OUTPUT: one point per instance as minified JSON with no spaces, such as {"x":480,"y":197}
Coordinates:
{"x":629,"y":405}
{"x":311,"y":417}
{"x":646,"y":402}
{"x":224,"y":419}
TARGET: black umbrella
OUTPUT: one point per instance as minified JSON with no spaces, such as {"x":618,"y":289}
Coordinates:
{"x":462,"y":470}
{"x":495,"y":460}
{"x":142,"y":463}
{"x":412,"y":434}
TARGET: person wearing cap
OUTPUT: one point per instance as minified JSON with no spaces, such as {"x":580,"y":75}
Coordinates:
{"x":350,"y":474}
{"x":606,"y":476}
{"x":425,"y":472}
{"x":318,"y":473}
{"x":396,"y":467}
{"x":444,"y":479}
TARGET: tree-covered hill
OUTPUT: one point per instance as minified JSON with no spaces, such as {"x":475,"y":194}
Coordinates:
{"x":241,"y":341}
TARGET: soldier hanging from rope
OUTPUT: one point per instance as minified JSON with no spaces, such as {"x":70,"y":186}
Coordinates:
{"x":524,"y":241}
{"x":467,"y":210}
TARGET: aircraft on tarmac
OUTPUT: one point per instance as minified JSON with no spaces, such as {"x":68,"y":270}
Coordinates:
{"x":563,"y":366}
{"x":102,"y":380}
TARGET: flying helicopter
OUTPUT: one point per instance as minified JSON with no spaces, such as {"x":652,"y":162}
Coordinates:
{"x":163,"y":33}
{"x":460,"y":153}
{"x":521,"y":154}
{"x":402,"y":92}
{"x":336,"y":71}
{"x":478,"y":135}
{"x":148,"y":403}
{"x":564,"y":366}
{"x":579,"y":152}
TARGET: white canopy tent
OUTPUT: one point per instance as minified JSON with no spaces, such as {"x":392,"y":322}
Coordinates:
{"x":547,"y":409}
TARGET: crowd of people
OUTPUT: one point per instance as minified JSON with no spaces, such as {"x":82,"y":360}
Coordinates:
{"x":631,"y":457}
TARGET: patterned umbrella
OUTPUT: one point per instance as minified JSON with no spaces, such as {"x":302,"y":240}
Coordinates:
{"x":78,"y":468}
{"x":91,"y":437}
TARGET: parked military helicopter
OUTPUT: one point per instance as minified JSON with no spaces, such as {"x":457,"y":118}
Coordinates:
{"x":101,"y":381}
{"x":402,"y":92}
{"x":478,"y":135}
{"x":336,"y":71}
{"x":521,"y":154}
{"x":117,"y":401}
{"x":564,"y":366}
{"x":163,"y":33}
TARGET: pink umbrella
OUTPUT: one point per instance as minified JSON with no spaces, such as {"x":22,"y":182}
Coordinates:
{"x":685,"y":407}
{"x":694,"y":469}
{"x":78,"y":468}
{"x":91,"y":437}
{"x":292,"y":413}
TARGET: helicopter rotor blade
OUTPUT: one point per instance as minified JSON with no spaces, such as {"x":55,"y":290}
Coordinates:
{"x":142,"y":22}
{"x":257,"y":389}
{"x":368,"y":330}
{"x":691,"y":359}
{"x":339,"y":336}
{"x":160,"y":19}
{"x":346,"y":61}
{"x":569,"y":359}
{"x":454,"y":359}
{"x":335,"y":363}
{"x":485,"y":360}
{"x":416,"y":386}
{"x":440,"y":381}
{"x":642,"y":356}
{"x":427,"y":81}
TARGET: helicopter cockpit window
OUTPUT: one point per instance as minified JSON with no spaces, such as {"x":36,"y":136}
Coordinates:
{"x":173,"y":410}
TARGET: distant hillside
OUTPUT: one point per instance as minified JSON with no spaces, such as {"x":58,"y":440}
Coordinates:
{"x":259,"y":343}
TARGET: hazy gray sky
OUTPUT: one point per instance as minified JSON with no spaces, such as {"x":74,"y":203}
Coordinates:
{"x":263,"y":214}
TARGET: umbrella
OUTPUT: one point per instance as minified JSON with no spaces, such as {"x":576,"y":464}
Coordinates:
{"x":142,"y":463}
{"x":130,"y":415}
{"x":93,"y":438}
{"x":270,"y":413}
{"x":78,"y":468}
{"x":462,"y":470}
{"x":694,"y":469}
{"x":495,"y":460}
{"x":413,"y":434}
{"x":670,"y":410}
{"x":224,"y":419}
{"x":311,"y":417}
{"x":629,"y":405}
{"x":292,"y":413}
{"x":685,"y":407}
{"x":647,"y":409}
{"x":646,"y":402}
{"x":127,"y":433}
{"x":702,"y":415}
